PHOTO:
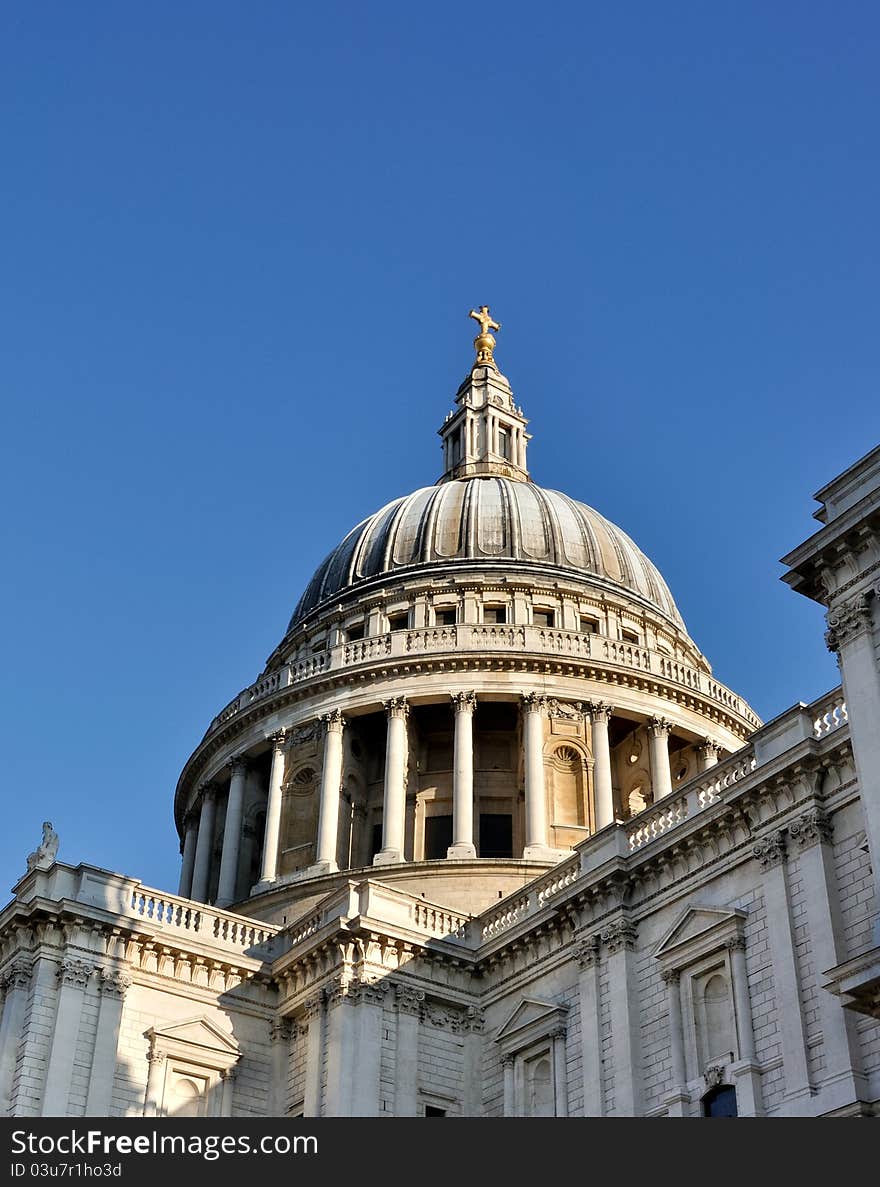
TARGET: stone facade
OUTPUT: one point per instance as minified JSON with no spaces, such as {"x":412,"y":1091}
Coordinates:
{"x":485,"y":838}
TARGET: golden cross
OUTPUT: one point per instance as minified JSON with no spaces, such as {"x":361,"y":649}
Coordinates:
{"x":486,"y":322}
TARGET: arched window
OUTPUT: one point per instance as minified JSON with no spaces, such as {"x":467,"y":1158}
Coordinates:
{"x":540,"y":1088}
{"x":567,"y":773}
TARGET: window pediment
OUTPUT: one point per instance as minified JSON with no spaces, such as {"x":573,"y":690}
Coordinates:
{"x":698,"y":932}
{"x":530,"y":1021}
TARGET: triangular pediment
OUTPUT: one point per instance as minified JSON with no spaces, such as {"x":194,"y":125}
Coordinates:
{"x":695,"y":926}
{"x":529,"y":1014}
{"x":197,"y":1032}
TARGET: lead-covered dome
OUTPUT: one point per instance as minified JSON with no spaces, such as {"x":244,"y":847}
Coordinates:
{"x":487,"y":518}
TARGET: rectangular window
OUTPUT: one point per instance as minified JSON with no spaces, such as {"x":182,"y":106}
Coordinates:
{"x":445,"y":617}
{"x":494,"y":614}
{"x":438,"y":836}
{"x":543,"y":617}
{"x":434,"y":1111}
{"x":504,"y":443}
{"x":589,"y":626}
{"x":496,"y":834}
{"x":398,"y":622}
{"x":628,"y":636}
{"x":354,"y":632}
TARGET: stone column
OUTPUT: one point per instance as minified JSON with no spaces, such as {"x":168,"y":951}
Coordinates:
{"x":191,"y":825}
{"x":850,"y":635}
{"x":770,"y":853}
{"x":273,"y":809}
{"x":678,"y":1099}
{"x":16,"y":982}
{"x":533,"y":707}
{"x":464,"y":704}
{"x":279,"y":1038}
{"x":155,"y":1078}
{"x":204,"y":845}
{"x":113,"y":986}
{"x":227,"y":1079}
{"x":406,"y":1068}
{"x":508,"y":1065}
{"x":842,"y":1073}
{"x":745,"y":1072}
{"x":472,"y":1098}
{"x":394,"y":802}
{"x":619,"y":941}
{"x":661,"y":775}
{"x":232,"y":832}
{"x":587,"y":953}
{"x":600,"y":715}
{"x":707,"y":754}
{"x":73,"y":976}
{"x":313,"y":1020}
{"x":331,"y":781}
{"x":560,"y":1077}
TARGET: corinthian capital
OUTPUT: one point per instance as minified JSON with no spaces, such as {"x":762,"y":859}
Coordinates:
{"x":533,"y":702}
{"x":848,"y":620}
{"x":659,"y":726}
{"x":463,"y":702}
{"x":396,"y":707}
{"x":600,"y":711}
{"x":333,"y":721}
{"x":771,"y":850}
{"x":812,"y":827}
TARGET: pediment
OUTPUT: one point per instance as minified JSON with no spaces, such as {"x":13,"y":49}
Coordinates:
{"x":530,"y":1018}
{"x":195,"y":1032}
{"x":696,"y":930}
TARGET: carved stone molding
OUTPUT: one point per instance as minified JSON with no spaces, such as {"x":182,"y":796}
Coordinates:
{"x":735,"y":944}
{"x":770,"y":851}
{"x":408,"y":1001}
{"x":474,"y":1020}
{"x":464,"y":702}
{"x":565,"y":710}
{"x":811,"y":828}
{"x":280,"y":1030}
{"x":709,"y":746}
{"x":279,"y":740}
{"x":587,"y":952}
{"x":619,"y":936}
{"x":312,"y":1007}
{"x":558,"y":1032}
{"x":508,"y":1060}
{"x":660,"y":727}
{"x":154,"y":1056}
{"x":715,"y":1075}
{"x":670,"y":976}
{"x":74,"y":972}
{"x":303,"y":734}
{"x":848,"y":620}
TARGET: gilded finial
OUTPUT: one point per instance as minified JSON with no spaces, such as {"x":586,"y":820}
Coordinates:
{"x":484,"y":343}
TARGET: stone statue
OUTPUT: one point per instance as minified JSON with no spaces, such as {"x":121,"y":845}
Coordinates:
{"x":44,"y":856}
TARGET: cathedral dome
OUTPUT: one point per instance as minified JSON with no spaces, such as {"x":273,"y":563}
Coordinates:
{"x":483,"y":519}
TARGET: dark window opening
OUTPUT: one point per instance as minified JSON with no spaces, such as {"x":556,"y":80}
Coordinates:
{"x":496,"y":834}
{"x":589,"y":626}
{"x":355,"y":632}
{"x":445,"y":617}
{"x":434,"y":1111}
{"x":720,"y":1102}
{"x":629,"y":636}
{"x":543,"y":617}
{"x":504,"y":443}
{"x":438,"y":836}
{"x":494,"y":615}
{"x":375,"y":840}
{"x":398,"y":622}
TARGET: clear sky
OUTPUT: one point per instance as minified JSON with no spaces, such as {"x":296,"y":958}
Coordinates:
{"x":239,"y":244}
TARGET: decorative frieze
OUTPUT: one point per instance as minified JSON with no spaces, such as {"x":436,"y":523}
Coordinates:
{"x":848,"y":620}
{"x":770,"y":851}
{"x":811,"y":828}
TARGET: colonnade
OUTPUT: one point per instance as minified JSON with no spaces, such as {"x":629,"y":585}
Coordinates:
{"x":199,"y":836}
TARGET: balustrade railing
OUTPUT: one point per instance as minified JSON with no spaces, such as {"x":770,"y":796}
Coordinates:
{"x":209,"y":923}
{"x":829,"y":714}
{"x":439,"y":921}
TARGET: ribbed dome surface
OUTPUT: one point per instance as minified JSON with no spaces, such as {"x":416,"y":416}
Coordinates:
{"x":486,"y":519}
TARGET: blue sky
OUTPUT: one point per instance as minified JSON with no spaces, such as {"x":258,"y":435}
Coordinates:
{"x":239,"y":244}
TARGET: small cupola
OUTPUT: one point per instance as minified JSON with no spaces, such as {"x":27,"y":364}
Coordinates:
{"x":486,"y":433}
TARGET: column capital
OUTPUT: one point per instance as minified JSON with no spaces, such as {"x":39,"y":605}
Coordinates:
{"x":333,"y":722}
{"x":735,"y":944}
{"x":770,"y":851}
{"x":659,"y":726}
{"x":710,"y":746}
{"x":207,"y":792}
{"x":558,"y":1032}
{"x":409,"y":1001}
{"x":463,"y":702}
{"x":238,"y":764}
{"x":670,"y":977}
{"x":810,"y":828}
{"x":599,"y":711}
{"x":396,"y":707}
{"x":848,"y":620}
{"x":228,"y":1073}
{"x":587,"y":952}
{"x":74,"y":972}
{"x":507,"y":1060}
{"x":279,"y":740}
{"x":18,"y":975}
{"x":312,"y":1006}
{"x":619,"y":936}
{"x":534,"y":702}
{"x":114,"y":983}
{"x":154,"y":1056}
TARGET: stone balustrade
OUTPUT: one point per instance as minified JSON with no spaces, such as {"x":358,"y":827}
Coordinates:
{"x":503,"y":639}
